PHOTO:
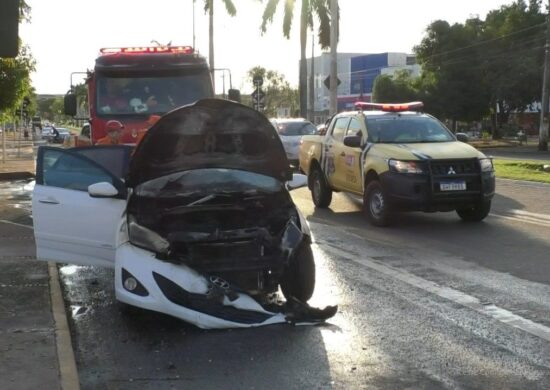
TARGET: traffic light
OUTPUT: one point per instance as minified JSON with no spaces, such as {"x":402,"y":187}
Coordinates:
{"x":9,"y":28}
{"x":26,"y":102}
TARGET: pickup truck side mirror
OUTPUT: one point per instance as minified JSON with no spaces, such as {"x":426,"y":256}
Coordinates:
{"x":353,"y":141}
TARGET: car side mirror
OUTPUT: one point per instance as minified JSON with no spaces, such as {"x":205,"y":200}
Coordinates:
{"x":298,"y":181}
{"x":69,"y":104}
{"x":102,"y":190}
{"x":353,"y":141}
{"x":462,"y":137}
{"x":234,"y":94}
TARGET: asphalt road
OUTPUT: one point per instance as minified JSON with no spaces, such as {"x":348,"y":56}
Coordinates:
{"x":431,"y":302}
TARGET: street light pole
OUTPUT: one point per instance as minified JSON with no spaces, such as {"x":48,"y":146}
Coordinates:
{"x":543,"y":130}
{"x":333,"y":56}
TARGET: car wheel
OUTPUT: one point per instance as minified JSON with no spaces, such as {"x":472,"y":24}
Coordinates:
{"x":375,"y":204}
{"x":298,"y":279}
{"x":475,"y":213}
{"x":320,"y":191}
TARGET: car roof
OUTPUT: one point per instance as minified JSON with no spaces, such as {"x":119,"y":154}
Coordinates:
{"x":283,"y":120}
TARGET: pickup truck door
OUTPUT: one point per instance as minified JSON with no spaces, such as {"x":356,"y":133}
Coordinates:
{"x":70,"y":226}
{"x":333,"y":149}
{"x":350,"y":161}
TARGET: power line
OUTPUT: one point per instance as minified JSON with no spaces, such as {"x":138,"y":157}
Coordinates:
{"x":487,"y":40}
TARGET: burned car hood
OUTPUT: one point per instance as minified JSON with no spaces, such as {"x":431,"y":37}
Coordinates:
{"x":211,"y":133}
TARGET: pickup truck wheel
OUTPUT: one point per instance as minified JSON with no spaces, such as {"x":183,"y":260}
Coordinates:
{"x":320,"y":192}
{"x":375,"y":204}
{"x":475,"y":213}
{"x":298,"y":279}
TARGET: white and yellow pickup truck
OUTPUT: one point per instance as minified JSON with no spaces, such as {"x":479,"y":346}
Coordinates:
{"x":397,"y":159}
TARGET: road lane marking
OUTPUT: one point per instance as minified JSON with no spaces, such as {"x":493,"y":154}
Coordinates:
{"x":16,"y":224}
{"x":524,"y":216}
{"x":502,"y":315}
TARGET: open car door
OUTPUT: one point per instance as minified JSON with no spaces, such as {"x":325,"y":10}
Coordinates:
{"x":70,"y":225}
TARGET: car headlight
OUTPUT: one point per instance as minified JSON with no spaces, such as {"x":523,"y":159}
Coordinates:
{"x":406,"y":166}
{"x":486,"y":164}
{"x":146,"y":238}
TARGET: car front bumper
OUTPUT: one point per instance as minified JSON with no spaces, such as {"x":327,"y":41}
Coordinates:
{"x":180,"y":291}
{"x":412,"y":192}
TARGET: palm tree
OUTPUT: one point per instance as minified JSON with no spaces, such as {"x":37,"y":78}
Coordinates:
{"x":209,"y":7}
{"x":309,"y":9}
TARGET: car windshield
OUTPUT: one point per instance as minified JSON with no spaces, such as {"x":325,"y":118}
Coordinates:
{"x":150,"y":94}
{"x":209,"y":181}
{"x":296,"y":128}
{"x":405,"y":129}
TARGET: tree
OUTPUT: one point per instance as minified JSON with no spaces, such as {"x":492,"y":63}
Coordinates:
{"x":209,"y":7}
{"x":451,"y":71}
{"x":278,"y":92}
{"x":513,"y":56}
{"x":399,"y":88}
{"x":15,"y":82}
{"x":308,"y":10}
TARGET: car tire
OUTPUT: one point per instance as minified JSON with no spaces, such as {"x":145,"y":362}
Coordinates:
{"x":298,"y":279}
{"x":475,"y":213}
{"x":375,"y":204}
{"x":320,"y":191}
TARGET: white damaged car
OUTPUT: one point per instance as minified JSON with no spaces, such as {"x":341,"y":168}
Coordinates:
{"x":198,"y":223}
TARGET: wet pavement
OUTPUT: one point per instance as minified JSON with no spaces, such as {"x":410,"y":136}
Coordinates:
{"x":429,"y":303}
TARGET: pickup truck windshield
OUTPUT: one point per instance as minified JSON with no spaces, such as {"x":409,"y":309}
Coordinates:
{"x":404,"y":129}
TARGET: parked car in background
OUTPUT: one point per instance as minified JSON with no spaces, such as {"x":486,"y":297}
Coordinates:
{"x":56,"y":135}
{"x":290,"y":131}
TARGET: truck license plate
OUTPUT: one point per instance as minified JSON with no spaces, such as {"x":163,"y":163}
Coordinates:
{"x":452,"y":185}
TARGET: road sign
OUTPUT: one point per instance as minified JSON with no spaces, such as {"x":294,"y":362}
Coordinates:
{"x":258,"y":81}
{"x":327,"y":82}
{"x":258,"y":96}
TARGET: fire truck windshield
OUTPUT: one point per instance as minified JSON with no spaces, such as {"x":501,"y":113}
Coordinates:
{"x":149,"y":94}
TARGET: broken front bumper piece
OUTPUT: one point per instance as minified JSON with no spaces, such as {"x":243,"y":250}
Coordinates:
{"x":142,"y":280}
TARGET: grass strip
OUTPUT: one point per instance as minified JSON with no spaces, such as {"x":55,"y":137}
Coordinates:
{"x":522,"y":170}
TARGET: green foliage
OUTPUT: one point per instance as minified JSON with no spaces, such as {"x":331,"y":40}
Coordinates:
{"x":229,"y":6}
{"x":278,"y":92}
{"x":399,"y":88}
{"x":468,"y":68}
{"x":309,"y":9}
{"x":521,"y":170}
{"x":15,"y":80}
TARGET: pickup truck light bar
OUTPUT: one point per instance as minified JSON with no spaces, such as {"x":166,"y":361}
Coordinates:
{"x":389,"y":107}
{"x":149,"y":49}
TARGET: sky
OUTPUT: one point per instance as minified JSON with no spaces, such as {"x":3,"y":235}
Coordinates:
{"x":65,"y":35}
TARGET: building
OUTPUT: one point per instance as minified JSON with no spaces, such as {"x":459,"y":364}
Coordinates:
{"x":356,"y":72}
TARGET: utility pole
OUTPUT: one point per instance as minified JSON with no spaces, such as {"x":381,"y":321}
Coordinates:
{"x":333,"y":57}
{"x":543,"y":130}
{"x":194,"y":47}
{"x":312,"y":78}
{"x":211,"y":43}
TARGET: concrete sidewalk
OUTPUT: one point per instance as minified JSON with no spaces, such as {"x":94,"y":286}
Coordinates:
{"x":28,"y":352}
{"x":35,"y":343}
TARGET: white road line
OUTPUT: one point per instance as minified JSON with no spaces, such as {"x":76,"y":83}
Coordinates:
{"x":524,"y":216}
{"x":498,"y":313}
{"x":16,"y":224}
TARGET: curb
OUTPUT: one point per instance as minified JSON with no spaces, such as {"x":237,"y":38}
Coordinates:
{"x":65,"y":354}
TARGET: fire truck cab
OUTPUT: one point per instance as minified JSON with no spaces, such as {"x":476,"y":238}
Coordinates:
{"x":130,"y":84}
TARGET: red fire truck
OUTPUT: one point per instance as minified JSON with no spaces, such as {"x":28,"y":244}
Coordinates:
{"x":131,"y":84}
